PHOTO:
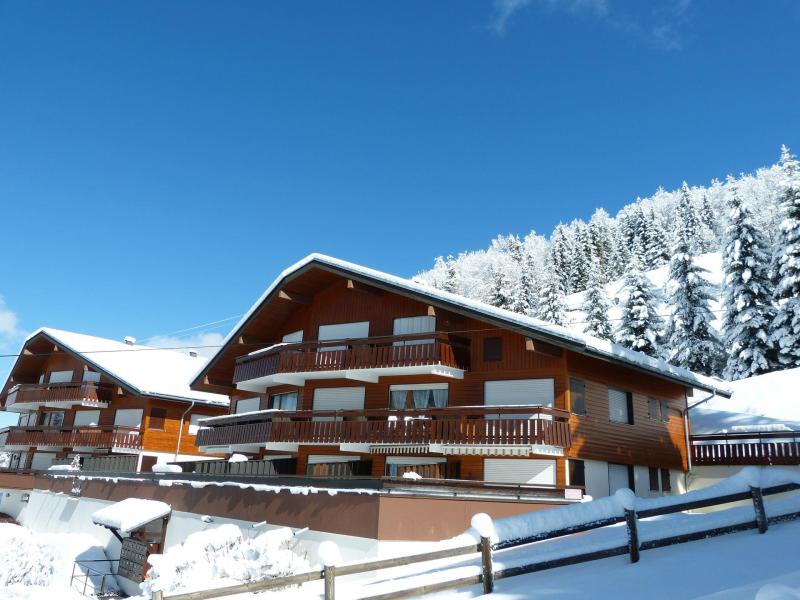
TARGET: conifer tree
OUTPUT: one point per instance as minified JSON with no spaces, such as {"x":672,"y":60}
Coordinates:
{"x":451,"y":276}
{"x":522,"y":285}
{"x":747,"y":293}
{"x":693,"y":342}
{"x":785,"y":331}
{"x":595,"y":307}
{"x":551,"y":299}
{"x":561,"y":258}
{"x":499,"y":293}
{"x":657,"y":251}
{"x":687,"y":222}
{"x":640,"y":326}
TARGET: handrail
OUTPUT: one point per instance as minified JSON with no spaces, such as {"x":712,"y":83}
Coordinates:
{"x":745,"y":435}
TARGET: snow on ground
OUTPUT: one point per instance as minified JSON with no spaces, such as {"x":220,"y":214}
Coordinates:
{"x":764,"y":400}
{"x":38,"y":566}
{"x":222,"y":557}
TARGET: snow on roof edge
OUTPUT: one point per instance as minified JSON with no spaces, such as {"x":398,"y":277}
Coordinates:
{"x":590,"y":344}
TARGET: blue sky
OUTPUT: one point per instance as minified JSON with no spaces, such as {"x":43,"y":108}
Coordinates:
{"x":161,"y":162}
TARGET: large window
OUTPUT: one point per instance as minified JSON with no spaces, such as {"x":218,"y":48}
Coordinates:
{"x":244,"y":405}
{"x":418,"y":396}
{"x":53,"y":419}
{"x":577,"y":396}
{"x":342,"y":331}
{"x":620,"y":406}
{"x":518,"y":392}
{"x":128,"y":417}
{"x":86,"y":418}
{"x":91,"y":376}
{"x":60,"y":377}
{"x":412,"y":325}
{"x":286,"y":401}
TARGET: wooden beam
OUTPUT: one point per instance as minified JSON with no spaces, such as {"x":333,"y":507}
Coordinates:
{"x":532,"y":345}
{"x":352,"y":284}
{"x":217,"y":382}
{"x":293,"y":297}
{"x":248,"y":340}
{"x":431,"y":311}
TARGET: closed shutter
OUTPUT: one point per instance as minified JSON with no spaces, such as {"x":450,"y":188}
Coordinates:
{"x":519,"y":392}
{"x":527,"y":470}
{"x":246,"y":405}
{"x":342,"y":331}
{"x":317,"y":459}
{"x":128,"y":417}
{"x":344,"y":398}
{"x":60,"y":377}
{"x":618,"y":477}
{"x":618,"y":406}
{"x":42,"y":460}
{"x":86,"y":418}
{"x":412,"y":325}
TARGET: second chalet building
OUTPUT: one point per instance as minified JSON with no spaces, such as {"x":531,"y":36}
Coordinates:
{"x":348,"y":371}
{"x":119,"y":406}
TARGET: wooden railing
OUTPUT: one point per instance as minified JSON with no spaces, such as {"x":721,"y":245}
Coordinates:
{"x":88,"y":392}
{"x":518,"y":425}
{"x":255,"y":468}
{"x":120,"y":437}
{"x":367,"y":353}
{"x":769,"y":448}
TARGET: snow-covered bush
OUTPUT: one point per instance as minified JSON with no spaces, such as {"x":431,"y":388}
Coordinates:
{"x":221,"y":557}
{"x":23,"y":559}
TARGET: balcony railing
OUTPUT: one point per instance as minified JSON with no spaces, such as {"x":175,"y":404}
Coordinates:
{"x":468,"y":426}
{"x":85,"y":393}
{"x":119,"y":437}
{"x":772,"y":448}
{"x":389,"y":352}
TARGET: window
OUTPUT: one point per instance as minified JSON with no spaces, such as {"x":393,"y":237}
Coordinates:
{"x":492,"y":349}
{"x":419,"y":396}
{"x":620,"y":406}
{"x":577,"y":396}
{"x":244,"y":405}
{"x":412,"y":325}
{"x":652,"y":409}
{"x":157,"y":416}
{"x":619,"y":477}
{"x":665,"y":411}
{"x":52,"y":419}
{"x":577,"y":472}
{"x":128,"y":417}
{"x":396,"y":466}
{"x":194,"y":423}
{"x":342,"y":331}
{"x":666,"y":483}
{"x":92,"y":376}
{"x":293,"y":337}
{"x":60,"y":377}
{"x":86,"y":418}
{"x":287,"y":401}
{"x":539,"y":392}
{"x":654,"y":487}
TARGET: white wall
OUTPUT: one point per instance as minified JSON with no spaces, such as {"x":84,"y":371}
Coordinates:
{"x":11,"y":502}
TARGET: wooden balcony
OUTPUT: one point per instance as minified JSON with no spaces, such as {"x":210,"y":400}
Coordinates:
{"x":452,"y":427}
{"x":30,"y":397}
{"x":773,"y":448}
{"x":362,"y":360}
{"x":88,"y":437}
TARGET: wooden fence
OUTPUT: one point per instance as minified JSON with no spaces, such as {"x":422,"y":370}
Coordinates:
{"x":764,"y":448}
{"x":485,"y":550}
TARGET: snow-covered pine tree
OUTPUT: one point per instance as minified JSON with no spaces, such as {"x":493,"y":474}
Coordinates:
{"x":656,"y":252}
{"x":451,"y":283}
{"x":785,"y":331}
{"x":522,"y":283}
{"x":582,"y":244}
{"x":551,"y":299}
{"x":601,"y":234}
{"x":561,"y":257}
{"x":747,"y":297}
{"x":693,"y":342}
{"x":595,"y":307}
{"x":640,"y":326}
{"x":687,"y":222}
{"x":500,"y":291}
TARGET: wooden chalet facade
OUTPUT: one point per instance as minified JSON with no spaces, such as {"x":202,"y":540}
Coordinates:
{"x":355,"y":372}
{"x":120,"y":407}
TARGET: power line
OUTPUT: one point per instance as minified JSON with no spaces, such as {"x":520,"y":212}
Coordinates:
{"x":195,"y":327}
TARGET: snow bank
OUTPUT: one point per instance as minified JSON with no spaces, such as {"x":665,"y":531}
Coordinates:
{"x":130,"y":514}
{"x":167,"y":468}
{"x":63,"y":468}
{"x":221,"y":557}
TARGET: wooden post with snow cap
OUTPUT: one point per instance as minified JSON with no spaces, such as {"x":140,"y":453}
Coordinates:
{"x":329,"y":555}
{"x":627,"y":499}
{"x":482,"y":523}
{"x":758,"y":505}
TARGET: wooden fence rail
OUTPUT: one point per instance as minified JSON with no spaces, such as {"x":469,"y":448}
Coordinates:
{"x":485,"y":549}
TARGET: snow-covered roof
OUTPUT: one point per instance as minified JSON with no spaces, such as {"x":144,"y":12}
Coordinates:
{"x":146,"y":371}
{"x":764,"y":402}
{"x":130,"y":514}
{"x":580,"y":342}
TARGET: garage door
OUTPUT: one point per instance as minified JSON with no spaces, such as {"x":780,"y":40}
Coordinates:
{"x":343,"y":398}
{"x":528,"y":470}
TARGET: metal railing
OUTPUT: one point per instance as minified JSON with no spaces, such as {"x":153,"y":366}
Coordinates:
{"x":91,"y":572}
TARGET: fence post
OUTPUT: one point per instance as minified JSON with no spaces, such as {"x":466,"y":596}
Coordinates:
{"x":330,"y":585}
{"x":633,"y":534}
{"x":157,"y":595}
{"x":758,"y":505}
{"x":486,"y":564}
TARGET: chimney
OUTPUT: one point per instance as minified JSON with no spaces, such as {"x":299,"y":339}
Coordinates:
{"x":192,"y":353}
{"x":130,"y":341}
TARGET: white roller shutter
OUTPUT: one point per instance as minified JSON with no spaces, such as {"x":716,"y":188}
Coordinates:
{"x":617,"y":478}
{"x":617,"y":405}
{"x":527,"y":470}
{"x":86,"y":418}
{"x":342,"y":331}
{"x":519,"y":391}
{"x":42,"y":460}
{"x":412,"y":325}
{"x":245,"y":405}
{"x":128,"y":417}
{"x":343,"y":398}
{"x":316,"y":459}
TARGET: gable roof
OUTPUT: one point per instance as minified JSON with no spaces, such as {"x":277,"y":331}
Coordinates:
{"x":535,"y":328}
{"x":142,"y":370}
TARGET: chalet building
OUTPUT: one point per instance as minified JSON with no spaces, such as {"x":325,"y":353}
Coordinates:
{"x":340,"y":370}
{"x":119,"y":406}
